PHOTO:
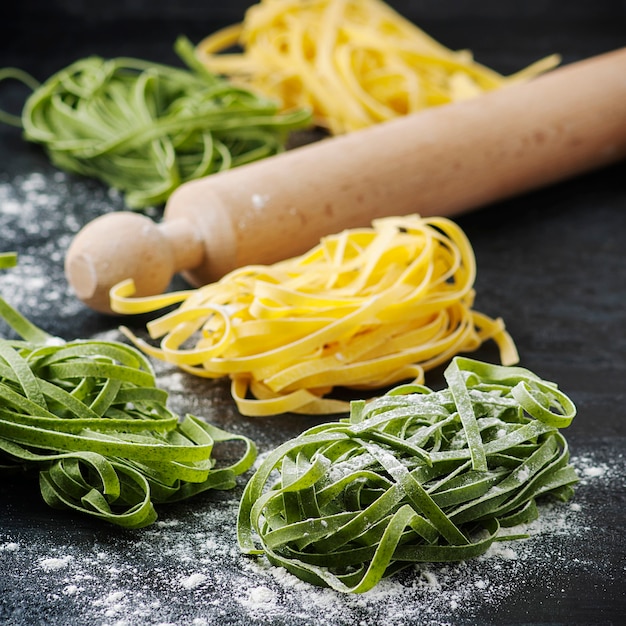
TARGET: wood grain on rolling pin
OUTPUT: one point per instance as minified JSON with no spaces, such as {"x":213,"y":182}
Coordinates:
{"x":441,"y":161}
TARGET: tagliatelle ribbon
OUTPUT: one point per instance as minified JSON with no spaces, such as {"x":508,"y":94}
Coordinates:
{"x":413,"y":476}
{"x":365,"y":309}
{"x":145,"y":128}
{"x":353,"y":62}
{"x":7,"y":259}
{"x":88,"y":415}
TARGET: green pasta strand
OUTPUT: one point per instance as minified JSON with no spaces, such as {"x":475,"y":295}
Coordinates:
{"x":145,"y":128}
{"x":88,"y":416}
{"x":7,"y":259}
{"x":413,"y":476}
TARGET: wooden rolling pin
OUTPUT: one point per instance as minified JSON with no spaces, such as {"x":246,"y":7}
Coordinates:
{"x":441,"y":161}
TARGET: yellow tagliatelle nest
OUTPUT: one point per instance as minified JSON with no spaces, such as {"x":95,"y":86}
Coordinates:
{"x":353,"y":62}
{"x":364,"y":309}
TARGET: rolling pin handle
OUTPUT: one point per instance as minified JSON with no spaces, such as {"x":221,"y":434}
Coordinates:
{"x":122,"y":245}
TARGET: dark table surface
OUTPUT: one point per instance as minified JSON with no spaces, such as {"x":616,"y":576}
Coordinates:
{"x":551,"y":263}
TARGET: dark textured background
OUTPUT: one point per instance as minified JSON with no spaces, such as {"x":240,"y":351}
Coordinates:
{"x":551,"y":263}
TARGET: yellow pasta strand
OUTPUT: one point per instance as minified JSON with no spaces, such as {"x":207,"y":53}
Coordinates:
{"x":353,"y":62}
{"x":364,"y":309}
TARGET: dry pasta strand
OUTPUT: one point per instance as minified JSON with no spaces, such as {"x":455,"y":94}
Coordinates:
{"x":354,"y":62}
{"x":364,"y":309}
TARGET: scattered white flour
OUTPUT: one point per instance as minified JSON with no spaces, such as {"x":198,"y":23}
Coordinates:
{"x":259,"y":596}
{"x":198,"y":577}
{"x":593,"y":471}
{"x":42,"y":212}
{"x":193,"y":581}
{"x":54,"y":563}
{"x":10,"y":546}
{"x":259,"y":200}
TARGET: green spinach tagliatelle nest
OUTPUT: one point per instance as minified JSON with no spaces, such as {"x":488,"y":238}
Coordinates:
{"x":88,"y":416}
{"x":413,"y":476}
{"x":145,"y":128}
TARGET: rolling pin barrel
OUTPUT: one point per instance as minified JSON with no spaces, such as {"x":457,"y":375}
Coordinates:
{"x":442,"y":161}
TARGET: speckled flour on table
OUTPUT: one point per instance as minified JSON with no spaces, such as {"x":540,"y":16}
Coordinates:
{"x":197,"y":565}
{"x":46,"y":209}
{"x":31,"y":207}
{"x":195,"y":555}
